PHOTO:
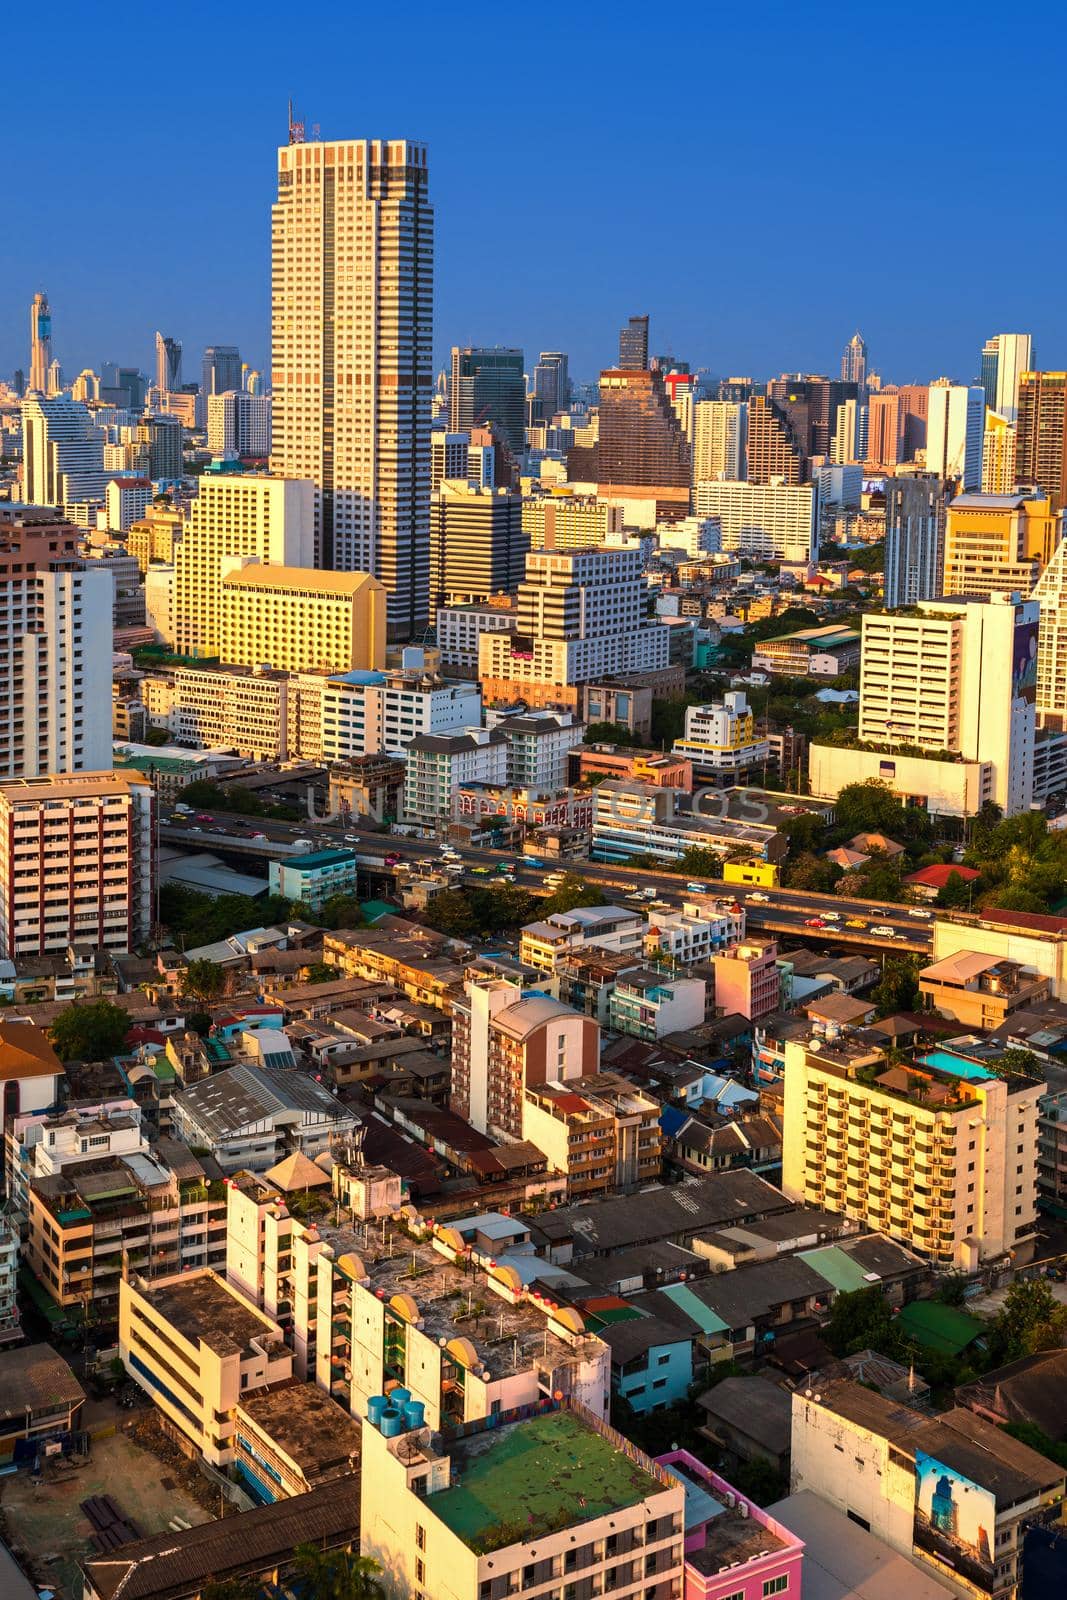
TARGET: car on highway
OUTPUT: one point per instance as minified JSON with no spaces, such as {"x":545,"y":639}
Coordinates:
{"x":697,"y":888}
{"x":917,"y":911}
{"x":532,"y":861}
{"x":480,"y":869}
{"x":882,"y":932}
{"x":760,"y":899}
{"x":202,"y":816}
{"x":392,"y":861}
{"x":855,"y":922}
{"x":257,"y":836}
{"x":832,"y":916}
{"x":814,"y":922}
{"x":351,"y":838}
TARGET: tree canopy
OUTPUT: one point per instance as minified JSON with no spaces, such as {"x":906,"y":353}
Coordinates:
{"x":90,"y":1030}
{"x":203,"y":980}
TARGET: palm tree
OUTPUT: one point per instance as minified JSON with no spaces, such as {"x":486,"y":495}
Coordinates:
{"x":336,"y":1574}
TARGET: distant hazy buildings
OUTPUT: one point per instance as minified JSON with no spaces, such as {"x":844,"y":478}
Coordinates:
{"x":62,"y":453}
{"x":1005,"y":357}
{"x":854,"y":362}
{"x":239,"y":423}
{"x":719,"y":434}
{"x":220,"y":369}
{"x":551,"y":384}
{"x":351,"y":328}
{"x":40,"y":343}
{"x":642,"y":453}
{"x":773,"y":449}
{"x":633,"y":345}
{"x":488,"y":389}
{"x":168,"y":364}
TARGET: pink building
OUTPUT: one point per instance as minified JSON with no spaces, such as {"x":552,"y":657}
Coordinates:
{"x":747,"y":979}
{"x":733,"y":1549}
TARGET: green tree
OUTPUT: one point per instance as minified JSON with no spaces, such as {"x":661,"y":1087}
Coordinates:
{"x":760,"y":1480}
{"x":880,"y":878}
{"x":322,"y":972}
{"x":668,"y":718}
{"x":698,"y":863}
{"x":956,"y":892}
{"x":1014,"y":1062}
{"x":1029,"y":1433}
{"x":336,"y":1574}
{"x":340,"y":911}
{"x":610,"y":733}
{"x":805,"y":832}
{"x":233,"y":1589}
{"x":899,"y":988}
{"x":90,"y":1030}
{"x":198,"y":1022}
{"x":572,"y":892}
{"x":451,"y":913}
{"x":1030,"y":1319}
{"x":809,"y":871}
{"x":156,"y":736}
{"x":861,"y":1320}
{"x":203,"y":980}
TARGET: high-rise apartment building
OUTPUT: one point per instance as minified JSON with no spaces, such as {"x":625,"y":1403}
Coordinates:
{"x":168,"y":364}
{"x":56,"y":641}
{"x":810,"y":404}
{"x":488,"y":389}
{"x":959,"y":676}
{"x":720,"y":428}
{"x":239,"y":423}
{"x":220,"y":369}
{"x":76,"y":862}
{"x":165,"y":438}
{"x":581,"y":616}
{"x":998,"y":454}
{"x":300,"y":619}
{"x":854,"y":362}
{"x":126,"y":501}
{"x":773,"y":449}
{"x":995,"y":542}
{"x":478,"y":543}
{"x":772,"y":521}
{"x":885,"y":428}
{"x":955,"y":425}
{"x":351,"y":327}
{"x":944,"y":1161}
{"x":504,"y":1039}
{"x":40,"y":343}
{"x":914,"y":539}
{"x":642,"y":452}
{"x":915,"y":402}
{"x":571,"y":522}
{"x":551,"y":384}
{"x":1051,"y":596}
{"x":846,"y":445}
{"x":235,"y":514}
{"x":156,"y":535}
{"x":633,"y":345}
{"x":1041,"y":434}
{"x":62,"y":453}
{"x":1005,"y":358}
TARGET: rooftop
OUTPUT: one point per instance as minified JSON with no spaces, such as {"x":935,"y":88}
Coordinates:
{"x":204,"y":1310}
{"x":535,"y":1477}
{"x":307,"y":1426}
{"x":35,"y":1378}
{"x":843,"y":1562}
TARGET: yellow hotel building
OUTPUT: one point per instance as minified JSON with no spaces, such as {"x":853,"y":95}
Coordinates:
{"x":298,"y":619}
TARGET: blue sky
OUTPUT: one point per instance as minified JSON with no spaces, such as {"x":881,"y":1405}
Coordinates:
{"x":762,"y":179}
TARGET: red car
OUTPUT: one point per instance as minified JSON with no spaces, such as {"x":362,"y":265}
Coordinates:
{"x":392,"y":861}
{"x":814,"y":922}
{"x":203,"y":817}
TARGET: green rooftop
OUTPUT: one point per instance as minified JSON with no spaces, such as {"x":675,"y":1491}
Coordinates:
{"x":939,"y":1327}
{"x":531,"y":1478}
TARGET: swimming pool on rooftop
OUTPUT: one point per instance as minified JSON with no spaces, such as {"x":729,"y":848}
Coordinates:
{"x":958,"y":1066}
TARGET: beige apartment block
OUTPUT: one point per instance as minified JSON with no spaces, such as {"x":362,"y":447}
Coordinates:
{"x":297,"y":619}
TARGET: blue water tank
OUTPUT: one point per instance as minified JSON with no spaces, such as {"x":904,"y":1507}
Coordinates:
{"x":392,"y":1423}
{"x":399,"y":1397}
{"x":414,"y":1413}
{"x":375,"y":1406}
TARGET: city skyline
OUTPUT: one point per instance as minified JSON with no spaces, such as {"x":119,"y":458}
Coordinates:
{"x":642,"y":223}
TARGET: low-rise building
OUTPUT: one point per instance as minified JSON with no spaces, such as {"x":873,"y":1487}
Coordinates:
{"x":650,"y":1005}
{"x":695,"y":932}
{"x":198,"y":1348}
{"x":733,"y":1546}
{"x":600,"y":1131}
{"x":40,"y":1402}
{"x":438,"y":765}
{"x":496,"y":805}
{"x":459,"y":629}
{"x":641,"y":819}
{"x":251,"y":1116}
{"x":543,"y":944}
{"x":721,"y":740}
{"x":980,"y":991}
{"x":613,"y":761}
{"x":291,"y":1438}
{"x":314,"y":878}
{"x":812,"y":652}
{"x":748,"y":979}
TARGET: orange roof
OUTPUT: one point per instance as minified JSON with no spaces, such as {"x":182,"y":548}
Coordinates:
{"x":26,"y":1052}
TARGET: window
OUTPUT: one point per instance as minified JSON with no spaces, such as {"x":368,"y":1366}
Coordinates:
{"x":420,"y":1536}
{"x":776,"y":1585}
{"x":420,"y":1571}
{"x":854,"y":1516}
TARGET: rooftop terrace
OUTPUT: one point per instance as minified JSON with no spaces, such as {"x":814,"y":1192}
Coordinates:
{"x":530,"y":1478}
{"x":203,"y":1309}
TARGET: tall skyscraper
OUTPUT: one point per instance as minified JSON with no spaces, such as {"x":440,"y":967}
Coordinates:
{"x":488,"y":389}
{"x":168,"y":364}
{"x":1005,"y":357}
{"x":810,"y":403}
{"x":955,"y":426}
{"x":551,"y":383}
{"x":1051,"y":596}
{"x":351,"y":330}
{"x":642,"y":452}
{"x":40,"y":343}
{"x":56,"y":646}
{"x":633,"y":345}
{"x":478,"y":545}
{"x":845,"y":445}
{"x":719,"y":432}
{"x":914,"y":539}
{"x":998,"y":455}
{"x":885,"y":428}
{"x":240,"y":422}
{"x":1041,"y":434}
{"x":62,"y":453}
{"x":854,"y":362}
{"x":221,"y":369}
{"x":774,"y":451}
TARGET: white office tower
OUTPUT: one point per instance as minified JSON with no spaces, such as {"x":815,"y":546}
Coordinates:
{"x":56,"y":647}
{"x":955,"y":425}
{"x":914,"y":539}
{"x":1015,"y":355}
{"x":581,"y":614}
{"x":62,"y":453}
{"x":772,"y":521}
{"x":955,"y":675}
{"x":845,"y":445}
{"x":168,"y":364}
{"x":719,"y":428}
{"x":351,"y":327}
{"x":1051,"y":596}
{"x":238,"y":423}
{"x":697,"y":536}
{"x":235,"y":514}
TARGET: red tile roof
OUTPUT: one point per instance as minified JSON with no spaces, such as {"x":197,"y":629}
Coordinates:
{"x":1025,"y":919}
{"x":937,"y":877}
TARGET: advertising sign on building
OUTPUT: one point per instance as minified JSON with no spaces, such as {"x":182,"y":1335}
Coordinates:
{"x":954,"y":1521}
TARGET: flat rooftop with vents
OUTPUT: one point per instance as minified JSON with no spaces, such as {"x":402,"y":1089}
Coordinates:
{"x":204,"y":1310}
{"x":531,"y":1478}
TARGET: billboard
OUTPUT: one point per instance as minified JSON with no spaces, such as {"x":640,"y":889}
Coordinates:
{"x":954,"y":1521}
{"x":1024,"y":661}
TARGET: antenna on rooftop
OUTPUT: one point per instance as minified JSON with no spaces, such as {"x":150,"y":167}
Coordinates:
{"x":296,"y":129}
